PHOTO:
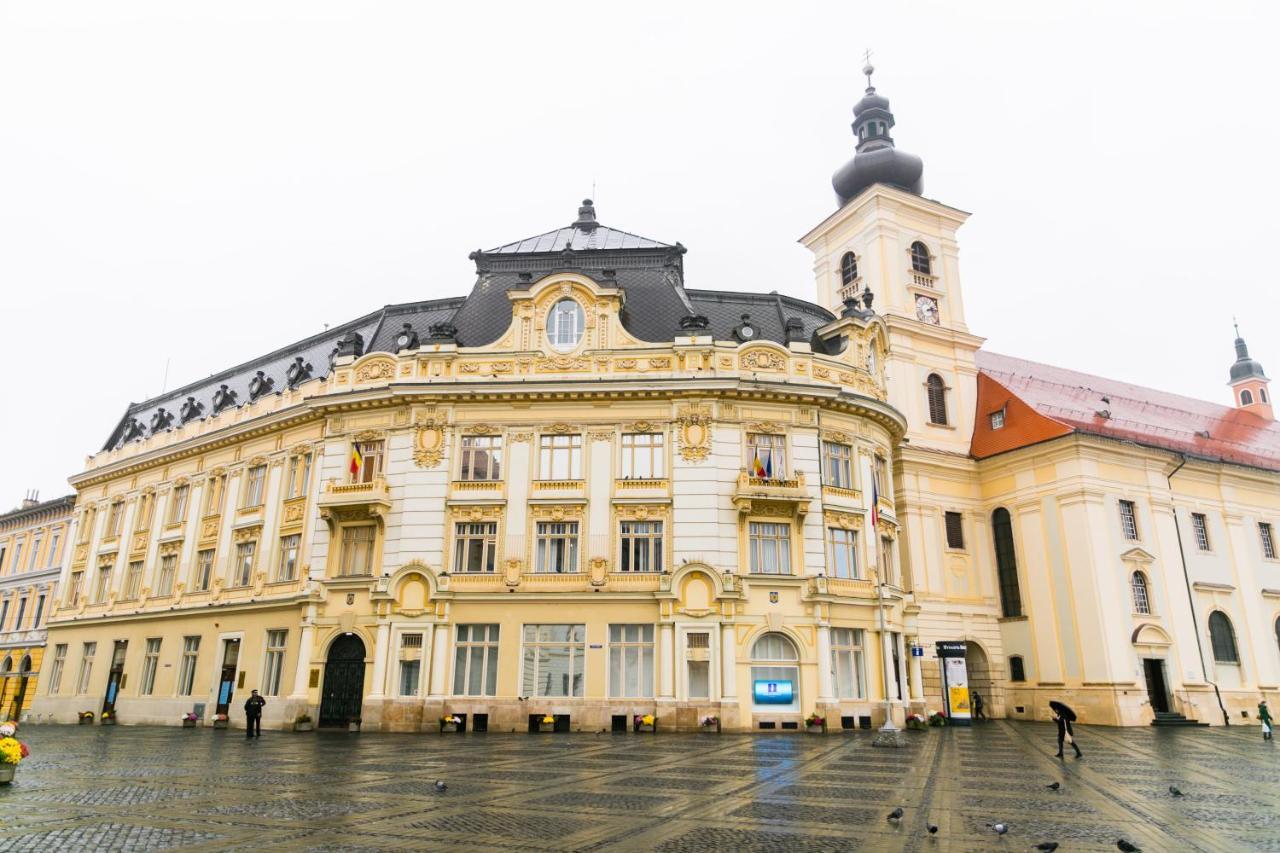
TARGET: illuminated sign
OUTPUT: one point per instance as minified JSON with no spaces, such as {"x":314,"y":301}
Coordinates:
{"x":773,"y":692}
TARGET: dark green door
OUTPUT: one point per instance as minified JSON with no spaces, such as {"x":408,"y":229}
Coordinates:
{"x":343,"y":689}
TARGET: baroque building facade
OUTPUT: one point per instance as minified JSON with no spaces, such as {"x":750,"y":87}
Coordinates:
{"x":32,"y":540}
{"x":588,"y":491}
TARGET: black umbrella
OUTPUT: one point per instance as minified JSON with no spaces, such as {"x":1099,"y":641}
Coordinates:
{"x":1063,"y":711}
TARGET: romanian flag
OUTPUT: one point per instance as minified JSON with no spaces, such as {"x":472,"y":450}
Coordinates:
{"x":757,"y":469}
{"x":875,"y":499}
{"x":356,"y":459}
{"x":768,"y":467}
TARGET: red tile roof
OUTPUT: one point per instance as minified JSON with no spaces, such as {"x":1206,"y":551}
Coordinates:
{"x":1074,"y":401}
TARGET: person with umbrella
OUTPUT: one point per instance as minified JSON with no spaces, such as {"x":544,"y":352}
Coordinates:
{"x":1064,"y":717}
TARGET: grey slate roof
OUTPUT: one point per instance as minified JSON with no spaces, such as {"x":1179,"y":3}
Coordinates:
{"x":649,"y":273}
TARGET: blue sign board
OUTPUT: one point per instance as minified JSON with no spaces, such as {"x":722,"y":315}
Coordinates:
{"x":773,"y":692}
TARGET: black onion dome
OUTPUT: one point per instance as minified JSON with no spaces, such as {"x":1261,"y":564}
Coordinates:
{"x":1245,"y":367}
{"x":877,"y":160}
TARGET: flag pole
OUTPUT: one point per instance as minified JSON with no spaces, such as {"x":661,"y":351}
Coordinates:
{"x":889,"y":734}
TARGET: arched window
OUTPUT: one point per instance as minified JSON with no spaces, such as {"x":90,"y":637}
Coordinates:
{"x":1016,"y":670}
{"x":937,"y":393}
{"x":848,"y":268}
{"x":1006,"y":563}
{"x":7,"y":666}
{"x":1246,"y":398}
{"x":774,"y":647}
{"x":1223,"y":637}
{"x":1262,"y":395}
{"x":1141,"y":598}
{"x":920,"y":261}
{"x":564,"y":324}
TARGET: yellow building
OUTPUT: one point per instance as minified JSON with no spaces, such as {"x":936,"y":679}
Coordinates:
{"x":31,"y":550}
{"x":588,"y":491}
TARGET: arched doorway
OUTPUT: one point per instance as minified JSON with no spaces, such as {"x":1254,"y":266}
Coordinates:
{"x":979,"y":669}
{"x":343,"y":690}
{"x":775,"y":675}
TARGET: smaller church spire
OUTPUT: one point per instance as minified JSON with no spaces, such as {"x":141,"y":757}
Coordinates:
{"x":1249,"y":382}
{"x":877,"y":160}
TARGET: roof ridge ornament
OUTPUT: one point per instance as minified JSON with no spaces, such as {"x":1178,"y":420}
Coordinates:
{"x":586,"y":220}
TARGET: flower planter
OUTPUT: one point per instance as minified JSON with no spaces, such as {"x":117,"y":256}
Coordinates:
{"x":188,"y":724}
{"x":546,"y":727}
{"x":86,"y":721}
{"x":710,"y":730}
{"x":447,"y":728}
{"x":302,"y":727}
{"x":108,"y":721}
{"x":814,"y":730}
{"x":6,"y":772}
{"x":643,"y":728}
{"x":219,"y":724}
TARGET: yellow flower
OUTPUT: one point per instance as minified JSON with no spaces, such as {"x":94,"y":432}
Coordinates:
{"x":647,"y":719}
{"x":548,"y":719}
{"x":10,"y":750}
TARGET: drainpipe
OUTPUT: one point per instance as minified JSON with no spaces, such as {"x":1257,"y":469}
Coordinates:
{"x":1191,"y":600}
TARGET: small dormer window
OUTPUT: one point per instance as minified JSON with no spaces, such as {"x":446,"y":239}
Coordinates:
{"x":997,"y":419}
{"x":746,"y":330}
{"x":565,"y":325}
{"x":848,"y":268}
{"x":920,"y":260}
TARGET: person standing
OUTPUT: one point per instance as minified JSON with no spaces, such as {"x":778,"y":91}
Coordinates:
{"x":1264,"y":714}
{"x":1064,"y":717}
{"x":977,"y":707}
{"x":253,"y":714}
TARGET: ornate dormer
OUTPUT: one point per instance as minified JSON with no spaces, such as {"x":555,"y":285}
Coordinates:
{"x":1249,"y":383}
{"x":260,"y":384}
{"x":191,"y":410}
{"x":161,"y":420}
{"x":407,"y":339}
{"x":298,"y":372}
{"x":223,"y":398}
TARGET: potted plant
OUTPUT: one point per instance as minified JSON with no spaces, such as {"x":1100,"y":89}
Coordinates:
{"x":12,"y":751}
{"x":302,"y":723}
{"x":710,"y":724}
{"x":108,"y":718}
{"x":646,"y":723}
{"x":450,"y":723}
{"x":353,"y":724}
{"x":219,"y":721}
{"x":189,"y":720}
{"x":547,"y":723}
{"x":916,"y":723}
{"x":814,"y":724}
{"x":937,"y":718}
{"x":86,"y":718}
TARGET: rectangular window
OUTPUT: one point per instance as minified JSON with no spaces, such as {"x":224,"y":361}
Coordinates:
{"x":55,"y":672}
{"x":481,"y":458}
{"x":35,"y":623}
{"x":215,"y":495}
{"x":255,"y":481}
{"x":54,"y":542}
{"x":475,"y":662}
{"x":631,"y":660}
{"x":1268,"y":541}
{"x":887,"y":568}
{"x":837,"y":465}
{"x":1201,"y":526}
{"x":187,"y":669}
{"x":150,"y":660}
{"x":1129,"y":520}
{"x":955,"y":530}
{"x":77,"y":586}
{"x":766,"y":455}
{"x":273,"y":666}
{"x":132,"y":580}
{"x":86,"y":668}
{"x":997,"y":419}
{"x":146,"y":504}
{"x":115,"y":519}
{"x":410,"y":664}
{"x":104,"y":584}
{"x":357,"y":551}
{"x":204,"y":570}
{"x":643,"y":456}
{"x":641,"y":546}
{"x":842,"y":552}
{"x":86,"y":524}
{"x":560,"y":457}
{"x":178,"y":504}
{"x":35,"y":552}
{"x":22,"y":611}
{"x":242,"y":570}
{"x":884,"y":485}
{"x":17,"y":556}
{"x":287,"y":567}
{"x":4,"y":614}
{"x":475,"y":546}
{"x":168,"y":568}
{"x":299,"y":476}
{"x":557,"y":547}
{"x":770,"y":548}
{"x":554,"y":660}
{"x":370,"y":462}
{"x":846,"y":663}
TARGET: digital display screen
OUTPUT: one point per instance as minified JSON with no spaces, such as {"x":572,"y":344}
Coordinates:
{"x":773,"y":692}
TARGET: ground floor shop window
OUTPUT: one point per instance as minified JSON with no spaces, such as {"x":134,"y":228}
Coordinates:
{"x":847,"y":664}
{"x":553,"y":661}
{"x":631,"y":660}
{"x":475,"y":664}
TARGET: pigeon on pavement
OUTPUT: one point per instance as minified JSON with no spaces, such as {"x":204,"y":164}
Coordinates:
{"x":1048,"y":846}
{"x":1055,"y":786}
{"x":896,"y":814}
{"x":441,"y":786}
{"x":1173,"y":789}
{"x":932,"y":827}
{"x":999,"y":828}
{"x":1127,"y":847}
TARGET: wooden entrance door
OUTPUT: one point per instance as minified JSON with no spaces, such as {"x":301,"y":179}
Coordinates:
{"x":116,"y":676}
{"x":1153,"y":668}
{"x":227,"y":680}
{"x":343,"y":690}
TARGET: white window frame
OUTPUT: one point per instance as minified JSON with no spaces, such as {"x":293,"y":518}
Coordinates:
{"x":287,"y":563}
{"x":150,"y":663}
{"x":565,"y":329}
{"x":842,"y":541}
{"x":837,"y":465}
{"x":638,"y":639}
{"x":486,"y":639}
{"x":644,"y":456}
{"x":470,"y":538}
{"x":202,"y":571}
{"x":242,"y":565}
{"x":769,"y":547}
{"x":532,"y":664}
{"x":560,"y":456}
{"x":848,"y":646}
{"x":56,"y":668}
{"x":351,"y":549}
{"x":85,"y":679}
{"x":641,"y":546}
{"x":771,"y":448}
{"x":189,"y":660}
{"x":549,"y":535}
{"x":472,"y":448}
{"x":276,"y":643}
{"x":167,"y":574}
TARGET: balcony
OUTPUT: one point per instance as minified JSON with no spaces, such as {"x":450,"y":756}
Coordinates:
{"x":354,"y":501}
{"x":923,"y":279}
{"x":754,"y":494}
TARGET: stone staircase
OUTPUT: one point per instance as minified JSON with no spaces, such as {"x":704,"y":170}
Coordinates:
{"x":1170,"y":718}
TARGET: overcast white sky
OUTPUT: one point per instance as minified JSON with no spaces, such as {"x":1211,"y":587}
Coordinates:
{"x":200,"y":183}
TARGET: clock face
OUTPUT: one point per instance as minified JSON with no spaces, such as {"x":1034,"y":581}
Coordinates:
{"x":748,"y":332}
{"x":403,"y":341}
{"x":927,"y":309}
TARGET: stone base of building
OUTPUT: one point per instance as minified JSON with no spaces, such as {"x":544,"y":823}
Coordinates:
{"x":1129,"y":705}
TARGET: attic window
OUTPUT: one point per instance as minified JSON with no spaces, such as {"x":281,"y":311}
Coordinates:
{"x":997,"y":419}
{"x":564,"y":325}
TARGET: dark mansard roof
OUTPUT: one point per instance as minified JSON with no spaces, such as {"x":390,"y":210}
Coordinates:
{"x":650,"y":274}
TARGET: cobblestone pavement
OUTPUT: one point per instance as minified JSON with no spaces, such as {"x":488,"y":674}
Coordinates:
{"x":128,"y":788}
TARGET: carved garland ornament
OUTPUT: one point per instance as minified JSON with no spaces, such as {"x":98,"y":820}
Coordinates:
{"x":694,"y":429}
{"x":556,"y":513}
{"x":760,"y":359}
{"x":487,"y":512}
{"x":481,"y":429}
{"x":371,"y":371}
